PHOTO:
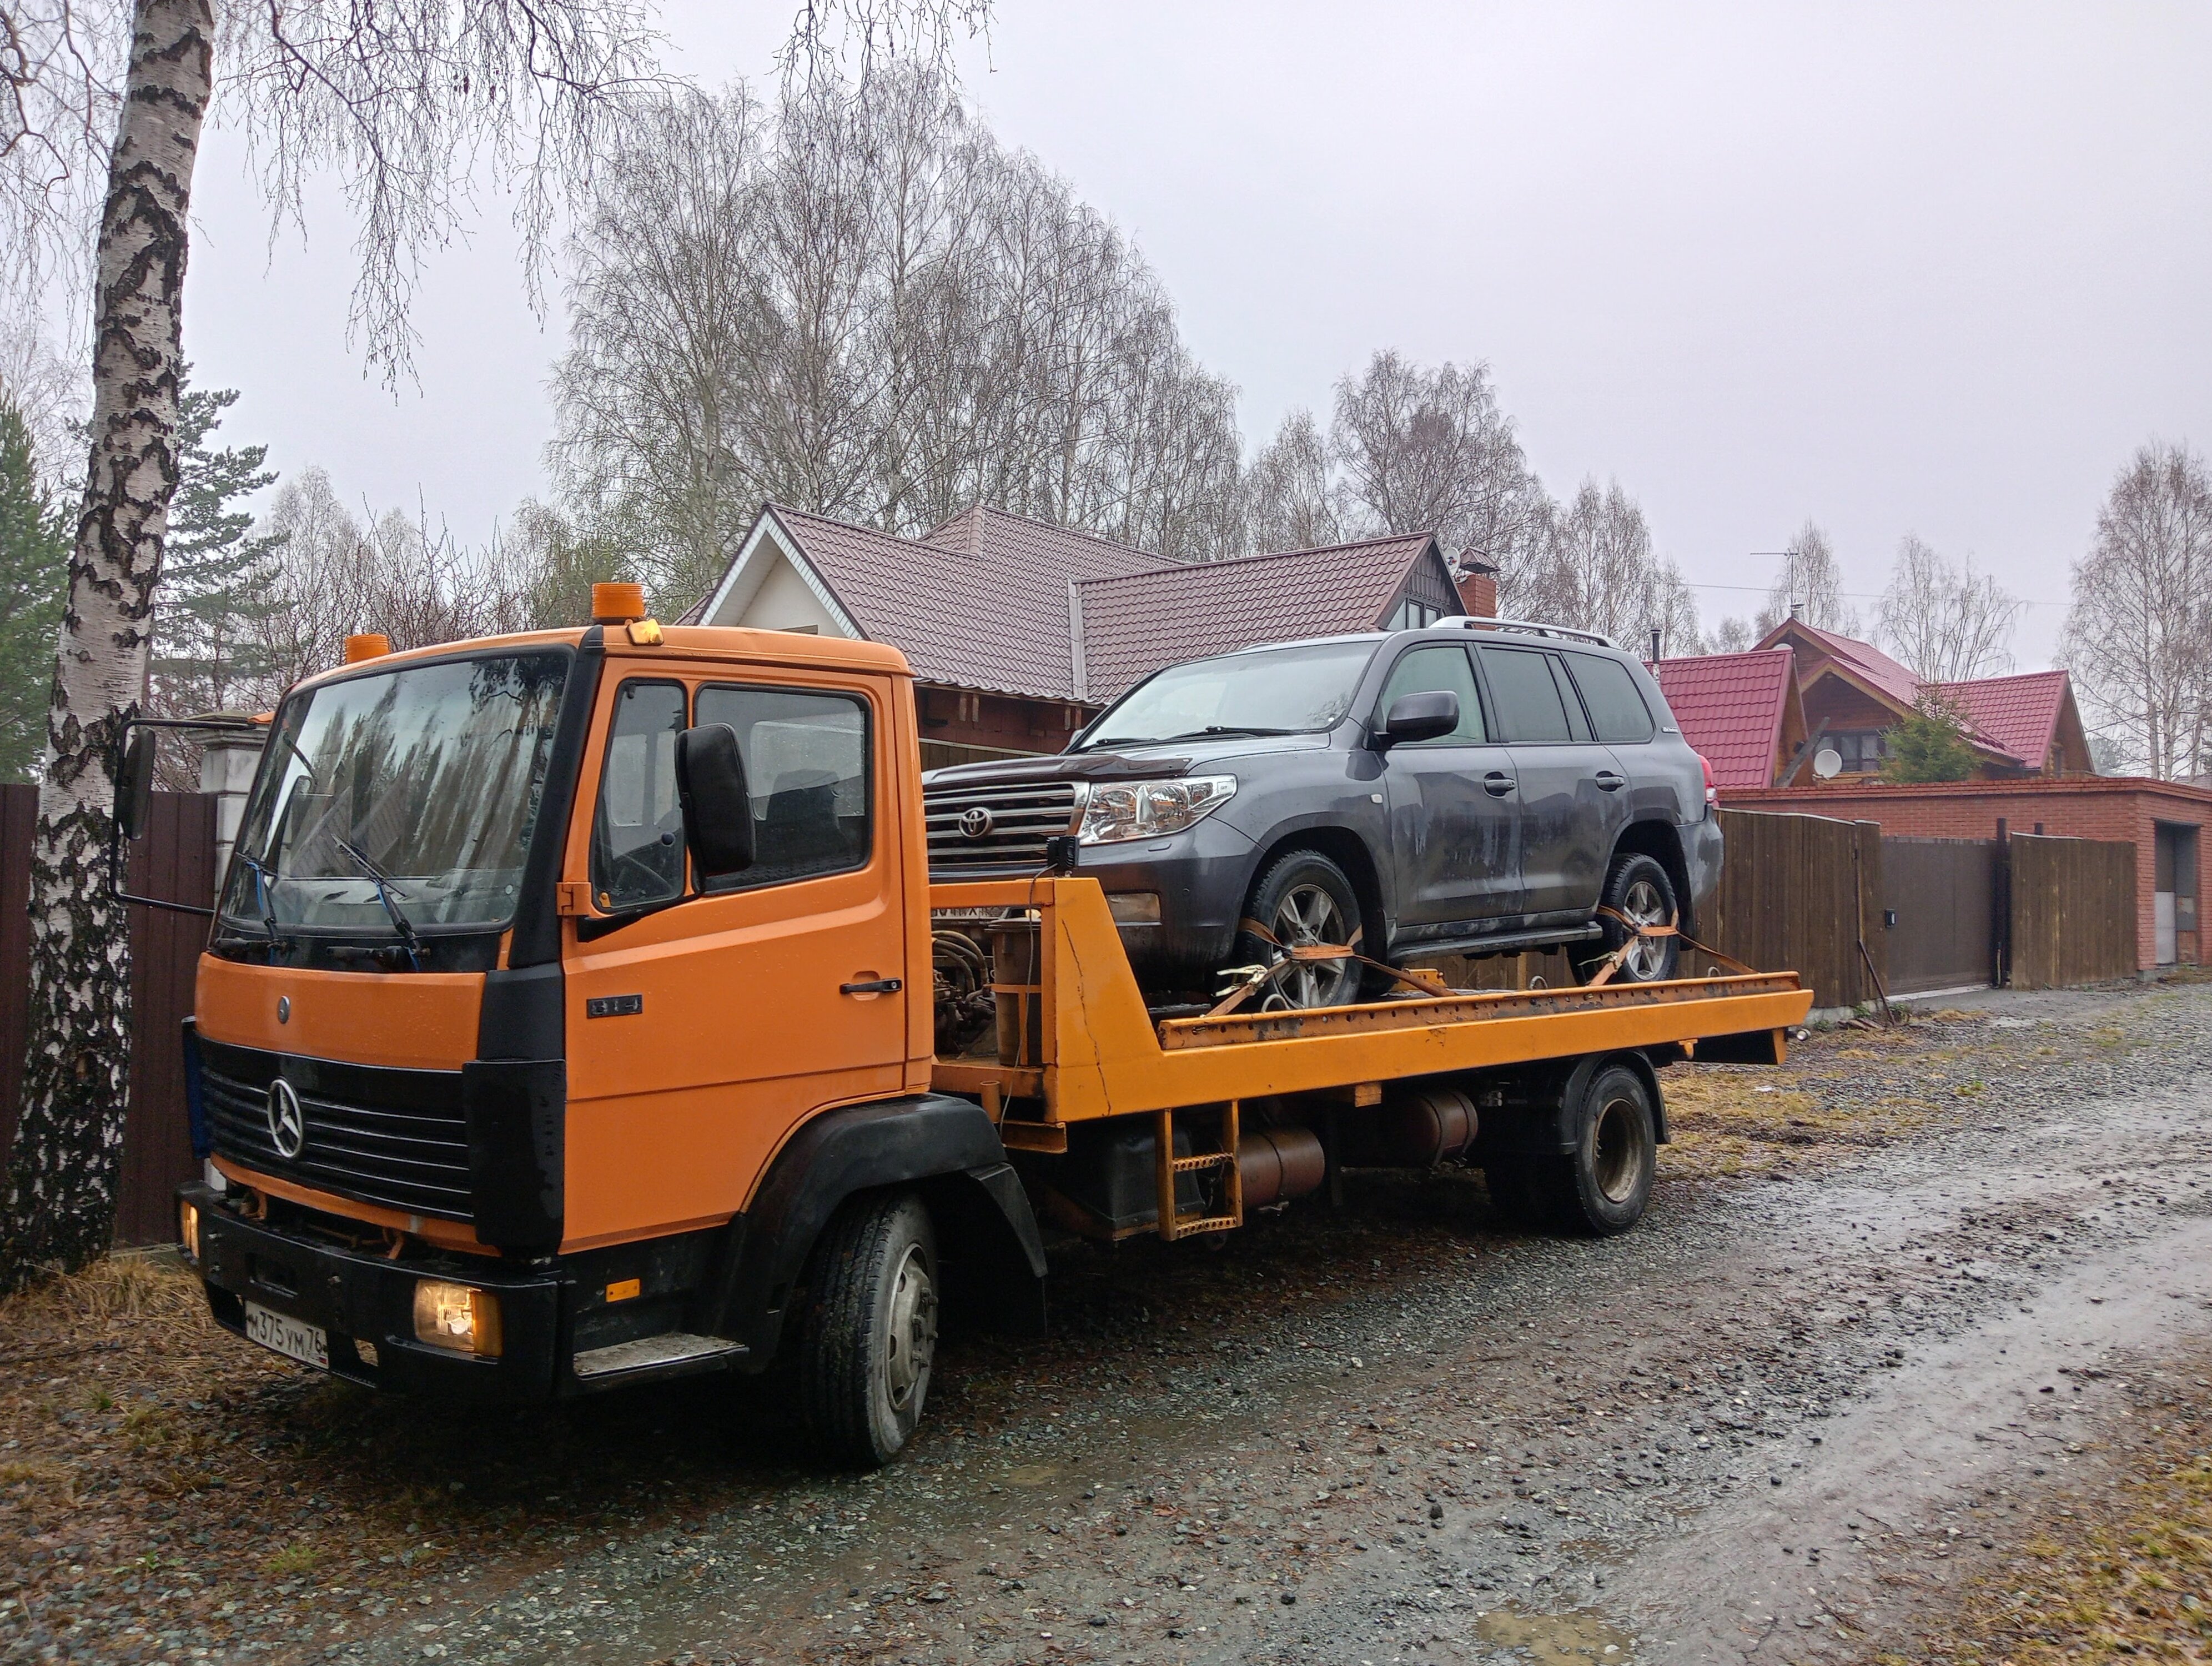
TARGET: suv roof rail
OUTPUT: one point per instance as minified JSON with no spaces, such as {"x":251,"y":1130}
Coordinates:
{"x":1468,"y":622}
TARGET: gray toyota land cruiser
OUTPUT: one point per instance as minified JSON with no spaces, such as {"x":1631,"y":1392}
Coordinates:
{"x":1476,"y":787}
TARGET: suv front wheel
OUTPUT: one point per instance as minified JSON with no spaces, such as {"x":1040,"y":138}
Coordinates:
{"x":1636,"y":888}
{"x":1304,"y":899}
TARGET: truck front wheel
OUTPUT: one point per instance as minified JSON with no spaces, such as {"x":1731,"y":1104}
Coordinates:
{"x":869,"y":1331}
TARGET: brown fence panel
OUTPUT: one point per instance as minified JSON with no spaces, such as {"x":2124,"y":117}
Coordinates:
{"x":1939,"y":916}
{"x":1789,"y":900}
{"x":175,"y":859}
{"x":2073,"y":910}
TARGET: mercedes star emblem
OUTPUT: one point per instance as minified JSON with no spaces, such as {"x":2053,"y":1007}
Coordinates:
{"x":287,"y":1124}
{"x":974,"y":822}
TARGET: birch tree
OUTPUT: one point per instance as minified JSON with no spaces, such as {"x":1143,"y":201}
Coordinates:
{"x":2138,"y":637}
{"x":1942,"y":620}
{"x":414,"y":105}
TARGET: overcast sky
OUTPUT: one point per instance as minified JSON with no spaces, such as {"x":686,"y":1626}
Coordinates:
{"x":1911,"y":268}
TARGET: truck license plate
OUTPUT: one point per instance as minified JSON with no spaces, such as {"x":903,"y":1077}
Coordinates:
{"x":296,"y":1339}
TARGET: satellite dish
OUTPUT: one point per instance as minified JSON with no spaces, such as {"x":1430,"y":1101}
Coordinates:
{"x":1827,"y":764}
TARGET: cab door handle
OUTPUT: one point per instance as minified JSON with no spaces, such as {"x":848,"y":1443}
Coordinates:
{"x":1497,"y":784}
{"x":874,"y":986}
{"x":1609,"y":782}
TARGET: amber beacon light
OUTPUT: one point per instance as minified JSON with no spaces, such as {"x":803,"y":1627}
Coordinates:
{"x":617,"y":603}
{"x":366,"y":645}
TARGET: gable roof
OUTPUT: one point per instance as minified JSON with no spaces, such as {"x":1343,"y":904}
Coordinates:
{"x":1135,"y":624}
{"x":1733,"y":708}
{"x":2019,"y":714}
{"x":980,"y":602}
{"x":1868,"y":662}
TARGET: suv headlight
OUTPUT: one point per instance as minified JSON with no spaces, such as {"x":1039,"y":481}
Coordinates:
{"x":1122,"y":810}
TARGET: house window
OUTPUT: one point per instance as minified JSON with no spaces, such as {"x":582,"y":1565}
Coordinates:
{"x":1410,"y":614}
{"x":1862,"y":752}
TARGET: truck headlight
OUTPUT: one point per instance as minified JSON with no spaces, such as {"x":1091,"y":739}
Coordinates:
{"x":459,"y":1316}
{"x":1121,"y":810}
{"x":188,"y":1229}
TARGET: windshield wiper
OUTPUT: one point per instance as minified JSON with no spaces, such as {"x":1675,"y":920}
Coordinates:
{"x":1228,"y":728}
{"x":383,"y":883}
{"x":264,"y":878}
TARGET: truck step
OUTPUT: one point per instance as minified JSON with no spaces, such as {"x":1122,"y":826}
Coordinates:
{"x":678,"y":1348}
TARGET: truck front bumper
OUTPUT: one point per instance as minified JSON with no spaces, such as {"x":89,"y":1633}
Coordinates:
{"x":359,"y":1299}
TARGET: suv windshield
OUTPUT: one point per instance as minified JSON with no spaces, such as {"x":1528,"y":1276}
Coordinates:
{"x":398,"y":801}
{"x":1274,"y":691}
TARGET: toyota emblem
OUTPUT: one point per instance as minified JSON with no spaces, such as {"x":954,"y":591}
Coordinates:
{"x":287,"y":1123}
{"x":974,"y":822}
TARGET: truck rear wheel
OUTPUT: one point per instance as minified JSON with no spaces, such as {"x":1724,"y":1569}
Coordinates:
{"x":1603,"y":1186}
{"x":869,"y":1332}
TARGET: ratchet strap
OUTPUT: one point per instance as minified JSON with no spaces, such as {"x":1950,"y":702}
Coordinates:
{"x":1636,"y":934}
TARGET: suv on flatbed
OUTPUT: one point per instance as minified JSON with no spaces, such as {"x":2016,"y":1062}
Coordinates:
{"x":1474,"y":787}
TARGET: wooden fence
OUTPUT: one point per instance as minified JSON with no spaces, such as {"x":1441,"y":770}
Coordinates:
{"x":1800,"y":893}
{"x":175,"y":859}
{"x":2073,"y":910}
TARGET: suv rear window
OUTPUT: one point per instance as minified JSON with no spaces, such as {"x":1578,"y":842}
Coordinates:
{"x":1616,"y":704}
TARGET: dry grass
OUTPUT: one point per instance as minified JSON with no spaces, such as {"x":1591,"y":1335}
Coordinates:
{"x":2123,"y":1571}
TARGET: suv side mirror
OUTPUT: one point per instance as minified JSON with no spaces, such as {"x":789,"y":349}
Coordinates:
{"x":1421,"y":716}
{"x":718,"y":811}
{"x":134,"y":787}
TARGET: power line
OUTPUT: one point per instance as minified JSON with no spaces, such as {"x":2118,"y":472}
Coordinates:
{"x":1849,"y":595}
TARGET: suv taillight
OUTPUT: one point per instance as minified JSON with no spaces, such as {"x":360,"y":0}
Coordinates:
{"x":1712,"y":792}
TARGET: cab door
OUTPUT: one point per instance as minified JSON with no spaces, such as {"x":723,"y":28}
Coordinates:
{"x":704,"y":1023}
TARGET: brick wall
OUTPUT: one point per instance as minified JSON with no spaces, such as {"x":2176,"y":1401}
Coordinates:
{"x":2101,"y":807}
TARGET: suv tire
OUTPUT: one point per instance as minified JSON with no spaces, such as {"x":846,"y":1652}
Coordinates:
{"x":1303,"y":897}
{"x":1637,"y":886}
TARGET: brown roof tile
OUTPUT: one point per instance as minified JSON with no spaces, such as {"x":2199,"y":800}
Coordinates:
{"x":1135,"y":624}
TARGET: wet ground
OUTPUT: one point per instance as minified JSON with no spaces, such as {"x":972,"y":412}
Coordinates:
{"x":1889,"y":1302}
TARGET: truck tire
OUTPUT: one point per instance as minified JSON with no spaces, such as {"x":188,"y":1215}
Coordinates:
{"x":1603,"y":1186}
{"x":1305,"y":898}
{"x":869,"y":1330}
{"x":1637,"y":886}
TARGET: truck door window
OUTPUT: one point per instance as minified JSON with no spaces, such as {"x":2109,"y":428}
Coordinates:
{"x":1443,"y":668}
{"x":1529,"y":709}
{"x":806,"y":766}
{"x":637,"y":836}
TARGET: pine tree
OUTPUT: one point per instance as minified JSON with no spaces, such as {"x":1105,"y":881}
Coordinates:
{"x":218,"y":578}
{"x":34,"y":551}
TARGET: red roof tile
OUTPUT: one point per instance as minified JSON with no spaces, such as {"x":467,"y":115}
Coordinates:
{"x":1864,"y":658}
{"x":2019,"y":715}
{"x":1730,"y":707}
{"x":1135,"y":624}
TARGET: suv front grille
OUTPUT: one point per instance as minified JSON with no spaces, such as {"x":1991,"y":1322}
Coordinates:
{"x":392,"y":1137}
{"x":1021,"y":817}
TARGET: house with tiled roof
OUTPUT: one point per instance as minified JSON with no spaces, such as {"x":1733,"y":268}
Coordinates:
{"x":1854,"y":695}
{"x":1019,"y":631}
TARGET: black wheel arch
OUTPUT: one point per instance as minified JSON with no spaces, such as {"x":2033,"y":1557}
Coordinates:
{"x":1551,"y":1124}
{"x":944,"y":1148}
{"x":1349,"y":852}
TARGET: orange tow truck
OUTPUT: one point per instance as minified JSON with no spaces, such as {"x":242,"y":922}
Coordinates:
{"x":579,"y":1011}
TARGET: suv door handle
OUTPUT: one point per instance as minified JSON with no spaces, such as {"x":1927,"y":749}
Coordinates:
{"x":874,"y":986}
{"x":1497,"y":784}
{"x":1607,"y":782}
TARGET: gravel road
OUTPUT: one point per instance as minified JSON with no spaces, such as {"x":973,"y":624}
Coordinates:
{"x":1886,"y":1299}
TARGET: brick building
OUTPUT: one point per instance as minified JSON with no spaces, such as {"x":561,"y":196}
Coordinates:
{"x":1019,"y":632}
{"x":2163,"y":819}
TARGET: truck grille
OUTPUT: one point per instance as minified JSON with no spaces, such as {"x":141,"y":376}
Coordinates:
{"x":393,"y":1137}
{"x":1021,"y":818}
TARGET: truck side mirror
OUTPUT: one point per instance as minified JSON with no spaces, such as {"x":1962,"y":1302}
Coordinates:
{"x":1421,"y":716}
{"x":718,"y":811}
{"x":134,"y":787}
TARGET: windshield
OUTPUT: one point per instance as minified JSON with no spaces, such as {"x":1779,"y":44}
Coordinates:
{"x":1274,"y":691}
{"x":398,"y":801}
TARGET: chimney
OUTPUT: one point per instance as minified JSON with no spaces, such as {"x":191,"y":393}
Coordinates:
{"x":1478,"y":586}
